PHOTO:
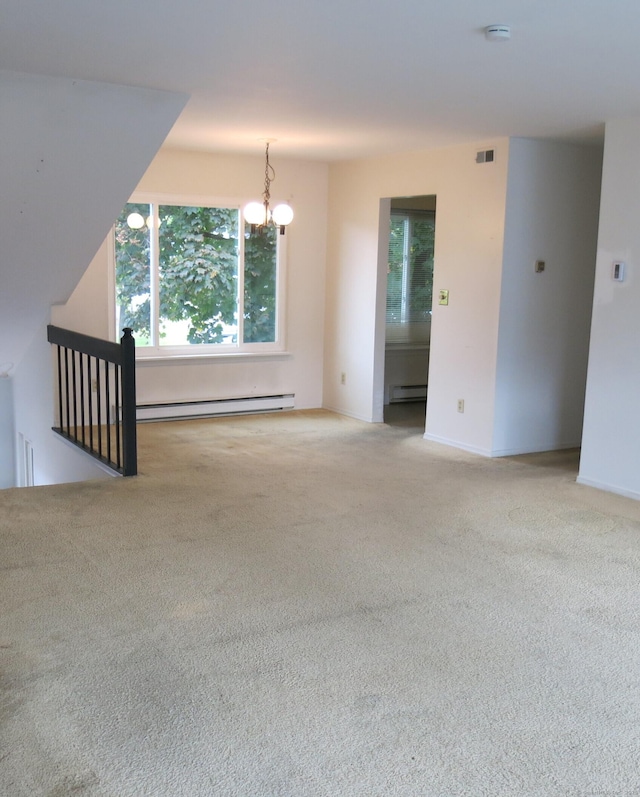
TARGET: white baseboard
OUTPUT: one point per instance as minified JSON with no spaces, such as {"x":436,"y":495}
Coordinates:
{"x":610,"y":488}
{"x":456,"y":444}
{"x":504,"y":452}
{"x":514,"y":452}
{"x":341,"y":411}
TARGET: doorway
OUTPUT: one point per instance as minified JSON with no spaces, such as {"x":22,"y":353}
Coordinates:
{"x":409,"y":293}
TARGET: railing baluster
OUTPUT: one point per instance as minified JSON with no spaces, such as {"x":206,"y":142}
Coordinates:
{"x":59,"y":386}
{"x":118,"y":442}
{"x":129,"y":435}
{"x":75,"y":395}
{"x":66,"y":380}
{"x":115,"y":396}
{"x":83,"y":398}
{"x":108,"y":408}
{"x":90,"y":404}
{"x":99,"y":407}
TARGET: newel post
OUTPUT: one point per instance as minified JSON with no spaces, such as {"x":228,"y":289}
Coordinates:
{"x":129,"y":437}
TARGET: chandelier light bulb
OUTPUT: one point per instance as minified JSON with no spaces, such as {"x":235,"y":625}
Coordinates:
{"x":135,"y":221}
{"x":254,"y":213}
{"x":282,"y":215}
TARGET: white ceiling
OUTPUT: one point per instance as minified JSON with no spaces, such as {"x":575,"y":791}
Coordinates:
{"x":346,"y":78}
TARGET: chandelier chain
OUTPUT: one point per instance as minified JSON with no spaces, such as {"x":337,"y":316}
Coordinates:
{"x":258,"y":214}
{"x":269,"y":175}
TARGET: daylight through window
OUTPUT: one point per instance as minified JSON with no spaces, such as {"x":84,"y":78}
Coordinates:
{"x":410,"y":276}
{"x":188,"y":277}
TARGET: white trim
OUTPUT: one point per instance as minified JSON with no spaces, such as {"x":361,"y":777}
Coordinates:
{"x":610,"y":488}
{"x":181,"y":359}
{"x":392,"y":345}
{"x":484,"y":452}
{"x":111,"y":286}
{"x":26,"y":470}
{"x":94,"y":460}
{"x":515,"y":452}
{"x":504,"y":452}
{"x":347,"y":414}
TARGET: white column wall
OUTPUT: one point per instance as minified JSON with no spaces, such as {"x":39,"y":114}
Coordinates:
{"x":552,"y":209}
{"x":611,"y":436}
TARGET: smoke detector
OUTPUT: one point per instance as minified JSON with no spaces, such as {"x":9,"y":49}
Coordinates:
{"x":497,"y":33}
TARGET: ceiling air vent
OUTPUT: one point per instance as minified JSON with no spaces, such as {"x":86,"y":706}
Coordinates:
{"x":485,"y":156}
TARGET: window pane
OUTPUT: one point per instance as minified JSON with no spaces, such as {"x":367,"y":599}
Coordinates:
{"x":260,"y":283}
{"x":132,"y":251}
{"x":410,"y":276}
{"x":421,"y":268}
{"x":395,"y":270}
{"x":198,"y":266}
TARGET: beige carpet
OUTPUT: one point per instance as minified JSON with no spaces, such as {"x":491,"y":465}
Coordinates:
{"x":303,"y":605}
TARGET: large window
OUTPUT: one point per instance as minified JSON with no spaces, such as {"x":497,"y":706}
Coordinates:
{"x":410,"y":276}
{"x":194,"y":279}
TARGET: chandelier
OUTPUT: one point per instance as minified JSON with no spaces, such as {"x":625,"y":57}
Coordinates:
{"x":258,"y":214}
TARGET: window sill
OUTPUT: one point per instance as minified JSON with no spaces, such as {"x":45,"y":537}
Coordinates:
{"x":184,"y":359}
{"x":406,"y":346}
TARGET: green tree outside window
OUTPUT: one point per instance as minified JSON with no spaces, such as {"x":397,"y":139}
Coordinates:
{"x":201,"y":275}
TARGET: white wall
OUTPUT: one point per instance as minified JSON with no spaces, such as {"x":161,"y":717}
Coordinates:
{"x":611,"y":437}
{"x":233,"y":178}
{"x":87,"y":310}
{"x":468,"y":262}
{"x":553,"y":195}
{"x":55,"y":461}
{"x":7,"y":434}
{"x":73,"y":152}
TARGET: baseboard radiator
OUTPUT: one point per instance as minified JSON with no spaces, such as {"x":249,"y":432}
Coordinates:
{"x":182,"y":410}
{"x":399,"y":393}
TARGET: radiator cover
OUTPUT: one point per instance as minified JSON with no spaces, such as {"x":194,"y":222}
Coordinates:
{"x":210,"y":408}
{"x":398,"y":393}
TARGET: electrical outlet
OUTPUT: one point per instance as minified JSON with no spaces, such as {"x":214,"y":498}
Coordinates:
{"x":460,"y":405}
{"x":343,"y":378}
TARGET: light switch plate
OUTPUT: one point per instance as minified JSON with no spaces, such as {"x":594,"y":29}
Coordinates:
{"x":444,"y":297}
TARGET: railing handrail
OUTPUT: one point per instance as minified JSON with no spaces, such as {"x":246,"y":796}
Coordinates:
{"x":86,"y":344}
{"x":121,"y":355}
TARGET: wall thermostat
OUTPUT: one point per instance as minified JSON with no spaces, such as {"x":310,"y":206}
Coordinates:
{"x":617,"y":271}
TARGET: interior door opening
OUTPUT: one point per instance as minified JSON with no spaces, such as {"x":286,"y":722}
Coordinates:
{"x":409,"y":293}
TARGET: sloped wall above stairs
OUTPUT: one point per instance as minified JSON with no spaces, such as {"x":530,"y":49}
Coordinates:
{"x":71,"y":153}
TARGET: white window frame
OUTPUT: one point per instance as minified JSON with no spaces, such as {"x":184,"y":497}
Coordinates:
{"x":204,"y":350}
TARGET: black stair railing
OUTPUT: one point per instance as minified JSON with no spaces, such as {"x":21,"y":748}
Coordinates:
{"x":96,"y":396}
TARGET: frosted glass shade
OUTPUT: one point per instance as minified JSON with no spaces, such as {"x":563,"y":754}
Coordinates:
{"x":135,"y":221}
{"x":282,"y":215}
{"x":254,"y":213}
